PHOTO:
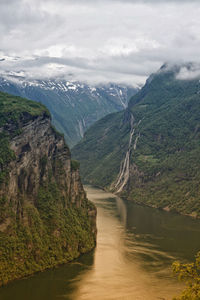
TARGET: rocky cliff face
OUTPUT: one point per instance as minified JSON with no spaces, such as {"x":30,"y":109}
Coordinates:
{"x":40,"y":153}
{"x":45,"y":217}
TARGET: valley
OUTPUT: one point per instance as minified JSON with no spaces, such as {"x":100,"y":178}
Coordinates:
{"x":74,"y":106}
{"x":149,"y":153}
{"x":99,"y":150}
{"x":136,"y":246}
{"x":145,"y":156}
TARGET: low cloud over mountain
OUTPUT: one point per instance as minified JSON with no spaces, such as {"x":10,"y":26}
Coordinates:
{"x":97,"y":41}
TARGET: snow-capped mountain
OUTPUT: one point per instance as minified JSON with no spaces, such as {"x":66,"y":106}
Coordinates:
{"x":74,"y":106}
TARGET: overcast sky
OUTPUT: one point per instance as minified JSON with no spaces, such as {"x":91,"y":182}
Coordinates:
{"x":97,"y":41}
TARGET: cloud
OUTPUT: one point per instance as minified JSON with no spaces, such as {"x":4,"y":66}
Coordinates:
{"x":97,"y":41}
{"x":189,"y":72}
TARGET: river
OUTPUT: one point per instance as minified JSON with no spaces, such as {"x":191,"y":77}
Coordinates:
{"x":136,"y":246}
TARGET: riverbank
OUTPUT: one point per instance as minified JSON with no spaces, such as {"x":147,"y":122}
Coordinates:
{"x":136,"y":246}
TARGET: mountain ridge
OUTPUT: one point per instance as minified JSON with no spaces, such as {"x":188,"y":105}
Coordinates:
{"x":164,"y":151}
{"x":74,"y":106}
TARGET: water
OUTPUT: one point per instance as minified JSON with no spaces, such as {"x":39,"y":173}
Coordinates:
{"x":135,"y":248}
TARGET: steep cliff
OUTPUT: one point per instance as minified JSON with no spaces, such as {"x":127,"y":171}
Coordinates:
{"x":45,"y":217}
{"x":150,"y":152}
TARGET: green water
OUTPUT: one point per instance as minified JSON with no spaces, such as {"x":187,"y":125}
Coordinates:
{"x":135,"y":248}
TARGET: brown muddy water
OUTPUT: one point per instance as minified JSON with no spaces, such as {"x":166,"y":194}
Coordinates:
{"x":136,"y":246}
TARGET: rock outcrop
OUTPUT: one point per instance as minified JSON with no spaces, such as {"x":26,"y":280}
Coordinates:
{"x":45,"y":217}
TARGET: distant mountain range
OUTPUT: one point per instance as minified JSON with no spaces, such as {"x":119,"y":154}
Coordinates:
{"x":150,"y":152}
{"x":74,"y":106}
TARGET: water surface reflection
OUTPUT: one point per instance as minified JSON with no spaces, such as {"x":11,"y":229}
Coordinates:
{"x":135,"y":248}
{"x":129,"y":262}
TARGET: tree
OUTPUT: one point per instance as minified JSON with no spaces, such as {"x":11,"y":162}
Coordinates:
{"x":190,"y":274}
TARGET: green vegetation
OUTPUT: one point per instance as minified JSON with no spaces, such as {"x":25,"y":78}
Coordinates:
{"x":75,"y":165}
{"x":12,"y":110}
{"x":190,"y":274}
{"x":100,"y":151}
{"x":6,"y":155}
{"x":165,"y":166}
{"x":52,"y":235}
{"x":74,"y":106}
{"x":47,"y":230}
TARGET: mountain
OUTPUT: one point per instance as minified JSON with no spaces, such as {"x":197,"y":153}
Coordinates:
{"x":150,"y":151}
{"x":74,"y":106}
{"x":45,"y":217}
